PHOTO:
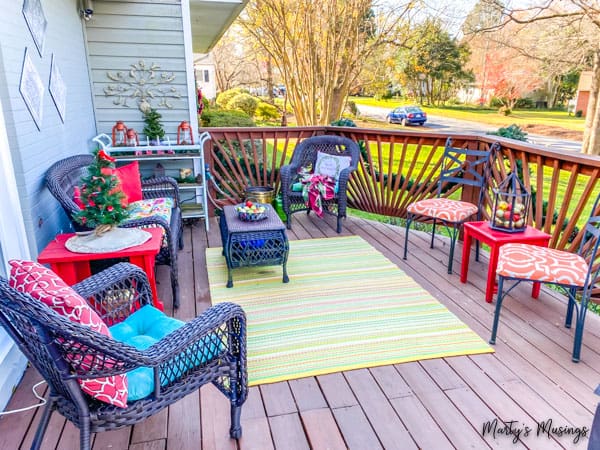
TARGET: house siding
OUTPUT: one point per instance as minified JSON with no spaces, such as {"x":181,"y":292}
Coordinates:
{"x":33,"y":150}
{"x":123,"y":34}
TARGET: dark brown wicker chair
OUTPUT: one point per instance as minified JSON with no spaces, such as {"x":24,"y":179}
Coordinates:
{"x":305,"y":154}
{"x":65,"y":175}
{"x":48,"y":339}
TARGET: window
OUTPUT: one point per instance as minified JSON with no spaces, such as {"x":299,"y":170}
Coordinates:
{"x":206,"y":76}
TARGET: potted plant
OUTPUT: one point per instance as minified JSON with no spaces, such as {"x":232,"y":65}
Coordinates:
{"x":153,"y":129}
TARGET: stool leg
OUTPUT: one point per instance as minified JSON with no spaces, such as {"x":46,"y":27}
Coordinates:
{"x":497,"y":311}
{"x":570,"y":307}
{"x":432,"y":234}
{"x":409,"y":219}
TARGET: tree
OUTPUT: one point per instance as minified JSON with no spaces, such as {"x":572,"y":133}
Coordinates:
{"x":435,"y":62}
{"x":319,"y":47}
{"x":572,"y":26}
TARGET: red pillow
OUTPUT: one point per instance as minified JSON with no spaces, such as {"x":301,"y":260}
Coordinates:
{"x":44,"y":285}
{"x":131,"y":182}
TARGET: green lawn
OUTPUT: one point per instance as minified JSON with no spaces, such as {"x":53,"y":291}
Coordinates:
{"x":520,"y":117}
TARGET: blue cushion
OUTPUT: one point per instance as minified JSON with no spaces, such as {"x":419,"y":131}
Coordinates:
{"x":144,"y":328}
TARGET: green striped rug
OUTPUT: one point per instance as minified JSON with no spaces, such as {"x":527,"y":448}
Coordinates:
{"x":346,"y":307}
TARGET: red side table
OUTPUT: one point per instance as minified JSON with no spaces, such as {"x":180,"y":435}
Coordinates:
{"x":74,"y":267}
{"x":482,"y":232}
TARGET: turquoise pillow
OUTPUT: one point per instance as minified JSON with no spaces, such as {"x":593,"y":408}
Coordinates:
{"x":144,"y":328}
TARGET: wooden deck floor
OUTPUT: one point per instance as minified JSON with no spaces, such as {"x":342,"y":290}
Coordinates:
{"x":433,"y":404}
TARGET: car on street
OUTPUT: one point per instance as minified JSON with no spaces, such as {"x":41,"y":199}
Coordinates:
{"x":407,"y":115}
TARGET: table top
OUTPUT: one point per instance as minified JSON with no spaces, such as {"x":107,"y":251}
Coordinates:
{"x":56,"y":251}
{"x":236,"y":225}
{"x":483,"y":229}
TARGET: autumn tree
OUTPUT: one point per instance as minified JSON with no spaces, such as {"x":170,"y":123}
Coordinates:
{"x":320,"y":47}
{"x":561,"y":33}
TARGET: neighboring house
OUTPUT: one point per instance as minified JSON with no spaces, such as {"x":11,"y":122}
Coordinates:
{"x":583,"y":92}
{"x":204,"y":67}
{"x":92,"y":53}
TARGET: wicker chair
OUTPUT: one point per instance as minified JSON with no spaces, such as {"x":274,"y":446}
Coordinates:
{"x":305,"y":154}
{"x":65,"y":175}
{"x":50,"y":342}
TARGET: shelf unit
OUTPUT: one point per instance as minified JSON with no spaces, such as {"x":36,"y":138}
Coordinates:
{"x":193,"y":195}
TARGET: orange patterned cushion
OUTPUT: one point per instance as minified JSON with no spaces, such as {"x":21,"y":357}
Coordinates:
{"x":444,"y":209}
{"x":541,"y":264}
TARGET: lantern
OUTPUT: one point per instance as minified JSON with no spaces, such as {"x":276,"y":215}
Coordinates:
{"x":132,"y":139}
{"x":511,"y":205}
{"x":184,"y":134}
{"x":119,"y":134}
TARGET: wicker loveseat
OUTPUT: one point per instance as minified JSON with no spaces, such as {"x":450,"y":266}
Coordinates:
{"x":64,"y":175}
{"x":210,"y":348}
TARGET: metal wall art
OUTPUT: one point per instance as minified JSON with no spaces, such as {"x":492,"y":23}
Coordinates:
{"x":142,"y":84}
{"x":32,"y":90}
{"x":36,"y":21}
{"x":58,"y":89}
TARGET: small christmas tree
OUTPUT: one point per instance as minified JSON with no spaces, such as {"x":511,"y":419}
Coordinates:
{"x":101,"y":198}
{"x":153,"y":128}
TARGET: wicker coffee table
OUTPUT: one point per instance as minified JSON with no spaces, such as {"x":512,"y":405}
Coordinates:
{"x":261,"y":243}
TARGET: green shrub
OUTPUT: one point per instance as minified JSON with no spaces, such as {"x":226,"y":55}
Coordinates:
{"x":225,"y":97}
{"x":352,"y":108}
{"x":224,"y":118}
{"x":505,"y":110}
{"x":513,"y":132}
{"x":579,"y":113}
{"x":245,"y":103}
{"x":495,"y":102}
{"x":343,"y":123}
{"x":266,"y":111}
{"x":525,"y":103}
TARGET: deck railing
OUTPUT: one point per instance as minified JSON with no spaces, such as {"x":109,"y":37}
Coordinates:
{"x":399,"y":167}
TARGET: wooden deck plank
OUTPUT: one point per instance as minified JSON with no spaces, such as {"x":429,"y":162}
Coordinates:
{"x":185,"y":271}
{"x":151,"y":429}
{"x":288,"y":433}
{"x":356,"y":429}
{"x":183,"y":428}
{"x":113,"y":439}
{"x":307,"y":394}
{"x":215,"y":419}
{"x":278,"y":399}
{"x":336,"y":390}
{"x":321,"y":429}
{"x":389,"y":428}
{"x":256,"y":434}
{"x":390,"y":382}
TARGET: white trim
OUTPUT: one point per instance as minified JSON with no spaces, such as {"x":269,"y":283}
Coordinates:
{"x":13,"y":242}
{"x":189,"y":66}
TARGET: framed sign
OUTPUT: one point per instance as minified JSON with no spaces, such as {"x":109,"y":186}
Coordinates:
{"x":32,"y":90}
{"x":58,"y":90}
{"x":36,"y":21}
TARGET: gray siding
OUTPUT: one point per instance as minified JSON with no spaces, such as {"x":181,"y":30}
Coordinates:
{"x":123,"y":33}
{"x":34,"y":150}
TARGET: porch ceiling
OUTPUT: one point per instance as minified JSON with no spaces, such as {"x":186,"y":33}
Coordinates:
{"x":210,"y":19}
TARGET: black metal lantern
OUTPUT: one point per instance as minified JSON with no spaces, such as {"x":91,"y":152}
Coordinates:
{"x":511,"y":205}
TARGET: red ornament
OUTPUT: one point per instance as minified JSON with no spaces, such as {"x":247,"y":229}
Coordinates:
{"x":184,"y":134}
{"x":119,"y":134}
{"x":105,"y":156}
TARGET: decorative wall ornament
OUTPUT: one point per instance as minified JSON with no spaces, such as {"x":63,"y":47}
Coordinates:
{"x":32,"y":89}
{"x":36,"y":21}
{"x":142,"y":84}
{"x":58,"y":90}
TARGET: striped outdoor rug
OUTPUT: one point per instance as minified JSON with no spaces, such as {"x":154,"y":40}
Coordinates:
{"x":346,"y":307}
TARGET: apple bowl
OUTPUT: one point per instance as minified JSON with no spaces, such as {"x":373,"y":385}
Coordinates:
{"x":251,"y":212}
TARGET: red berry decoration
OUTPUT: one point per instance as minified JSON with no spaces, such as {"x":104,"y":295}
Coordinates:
{"x":249,"y":204}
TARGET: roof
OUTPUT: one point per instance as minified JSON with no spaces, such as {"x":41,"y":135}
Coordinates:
{"x":210,"y":19}
{"x":585,"y":81}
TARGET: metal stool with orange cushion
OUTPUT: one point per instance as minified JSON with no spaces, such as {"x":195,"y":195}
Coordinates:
{"x":575,"y":273}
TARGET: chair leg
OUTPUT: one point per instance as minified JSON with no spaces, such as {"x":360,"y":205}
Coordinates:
{"x":579,"y":329}
{"x":288,"y":222}
{"x":409,"y":219}
{"x":339,"y":224}
{"x":236,"y":428}
{"x":432,"y":234}
{"x":497,"y":312}
{"x":41,"y":429}
{"x":180,"y":240}
{"x":175,"y":285}
{"x":453,"y":237}
{"x":85,"y":434}
{"x":570,"y":307}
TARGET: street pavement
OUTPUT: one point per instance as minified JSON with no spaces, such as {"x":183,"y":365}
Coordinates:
{"x":446,"y":124}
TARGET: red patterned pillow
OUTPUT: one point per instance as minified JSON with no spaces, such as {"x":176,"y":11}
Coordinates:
{"x":44,"y":285}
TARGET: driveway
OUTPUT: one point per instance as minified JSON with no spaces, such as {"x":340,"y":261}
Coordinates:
{"x":446,"y":124}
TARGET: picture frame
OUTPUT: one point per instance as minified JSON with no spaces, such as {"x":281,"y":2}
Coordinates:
{"x":36,"y":22}
{"x":58,"y":89}
{"x":32,"y":89}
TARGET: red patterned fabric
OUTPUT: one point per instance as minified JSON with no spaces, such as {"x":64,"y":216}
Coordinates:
{"x":541,"y":264}
{"x":444,"y":209}
{"x":44,"y":285}
{"x":316,"y":189}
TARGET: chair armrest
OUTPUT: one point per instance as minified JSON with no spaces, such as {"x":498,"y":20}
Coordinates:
{"x":116,"y":292}
{"x":287,"y":174}
{"x":158,"y":187}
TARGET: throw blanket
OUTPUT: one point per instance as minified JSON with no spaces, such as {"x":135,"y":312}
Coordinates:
{"x":315,"y":189}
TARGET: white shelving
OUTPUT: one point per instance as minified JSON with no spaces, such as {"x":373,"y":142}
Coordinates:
{"x":193,"y":195}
